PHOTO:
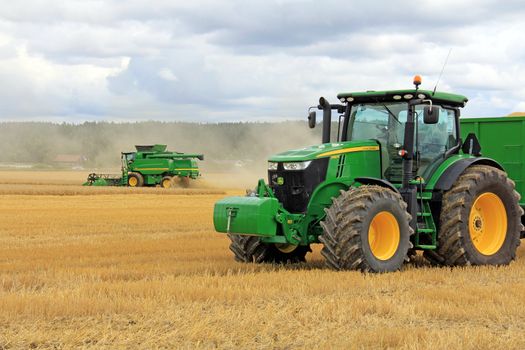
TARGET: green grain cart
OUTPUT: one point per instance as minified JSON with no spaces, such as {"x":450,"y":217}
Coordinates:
{"x":150,"y":166}
{"x":399,"y":179}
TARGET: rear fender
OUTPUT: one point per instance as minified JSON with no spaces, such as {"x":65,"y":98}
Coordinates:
{"x":449,"y":171}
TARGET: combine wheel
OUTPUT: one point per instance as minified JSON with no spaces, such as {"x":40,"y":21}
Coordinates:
{"x":250,"y":249}
{"x":166,"y":182}
{"x":366,"y":228}
{"x":480,"y":222}
{"x":135,"y":180}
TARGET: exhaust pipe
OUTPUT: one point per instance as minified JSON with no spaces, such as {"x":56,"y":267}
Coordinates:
{"x":327,"y":118}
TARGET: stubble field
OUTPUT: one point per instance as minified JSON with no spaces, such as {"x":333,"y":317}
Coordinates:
{"x":116,"y":268}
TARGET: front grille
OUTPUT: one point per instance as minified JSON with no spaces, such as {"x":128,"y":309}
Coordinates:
{"x":297,"y":185}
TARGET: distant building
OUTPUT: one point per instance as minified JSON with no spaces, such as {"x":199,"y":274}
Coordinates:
{"x":70,"y":160}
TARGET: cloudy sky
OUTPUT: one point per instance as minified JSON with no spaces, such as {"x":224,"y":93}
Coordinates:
{"x":211,"y":61}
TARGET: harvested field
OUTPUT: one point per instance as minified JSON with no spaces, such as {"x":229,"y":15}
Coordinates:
{"x":64,"y":183}
{"x":77,"y":190}
{"x":143,"y":270}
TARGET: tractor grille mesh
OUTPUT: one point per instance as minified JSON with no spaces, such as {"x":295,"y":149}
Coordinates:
{"x":298,"y":185}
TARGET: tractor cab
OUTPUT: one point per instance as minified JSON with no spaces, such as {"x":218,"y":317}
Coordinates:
{"x":383,"y":116}
{"x":432,"y":119}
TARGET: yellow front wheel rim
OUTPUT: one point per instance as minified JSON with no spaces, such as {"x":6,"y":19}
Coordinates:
{"x":488,"y":223}
{"x":166,"y":183}
{"x":133,"y":181}
{"x":384,"y":235}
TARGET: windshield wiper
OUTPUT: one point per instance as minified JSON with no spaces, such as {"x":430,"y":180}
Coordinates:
{"x":389,"y":111}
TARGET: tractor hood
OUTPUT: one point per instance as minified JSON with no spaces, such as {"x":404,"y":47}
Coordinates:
{"x":324,"y":150}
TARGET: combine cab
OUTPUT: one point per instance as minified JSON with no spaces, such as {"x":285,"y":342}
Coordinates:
{"x":150,"y":166}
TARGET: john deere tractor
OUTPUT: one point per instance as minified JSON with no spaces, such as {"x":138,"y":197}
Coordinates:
{"x":397,"y":180}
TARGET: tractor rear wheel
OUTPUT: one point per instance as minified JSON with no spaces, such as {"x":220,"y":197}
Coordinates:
{"x":166,"y":181}
{"x":135,"y":180}
{"x":480,"y":221}
{"x":250,"y":249}
{"x":366,"y":228}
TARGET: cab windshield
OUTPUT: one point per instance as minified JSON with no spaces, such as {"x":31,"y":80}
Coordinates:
{"x":385,"y":122}
{"x":379,"y":121}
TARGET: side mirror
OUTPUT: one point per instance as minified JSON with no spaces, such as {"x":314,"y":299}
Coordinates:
{"x":430,"y":114}
{"x":311,"y":119}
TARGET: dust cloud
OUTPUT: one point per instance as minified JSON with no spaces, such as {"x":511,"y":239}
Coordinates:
{"x":235,"y":154}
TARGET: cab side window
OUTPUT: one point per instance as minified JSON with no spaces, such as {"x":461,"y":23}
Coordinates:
{"x":434,"y":140}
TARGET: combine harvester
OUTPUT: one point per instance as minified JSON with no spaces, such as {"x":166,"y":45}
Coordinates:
{"x":150,"y":166}
{"x":401,"y":178}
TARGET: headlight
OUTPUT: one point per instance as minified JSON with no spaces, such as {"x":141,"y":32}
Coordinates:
{"x":296,"y":165}
{"x":272,"y":166}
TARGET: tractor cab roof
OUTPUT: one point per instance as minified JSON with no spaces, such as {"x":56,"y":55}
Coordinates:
{"x":445,"y":98}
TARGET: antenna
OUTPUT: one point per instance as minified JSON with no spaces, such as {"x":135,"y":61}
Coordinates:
{"x":442,"y":70}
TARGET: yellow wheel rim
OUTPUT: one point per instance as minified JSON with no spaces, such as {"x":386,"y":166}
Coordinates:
{"x":488,"y":223}
{"x":384,"y":235}
{"x":166,"y":183}
{"x":132,"y":181}
{"x":285,"y":248}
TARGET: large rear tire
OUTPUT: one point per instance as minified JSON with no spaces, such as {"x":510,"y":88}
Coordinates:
{"x":480,"y":220}
{"x":135,"y":180}
{"x":250,"y":249}
{"x":366,"y":228}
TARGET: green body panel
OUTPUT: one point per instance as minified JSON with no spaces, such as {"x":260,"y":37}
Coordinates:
{"x":155,"y":167}
{"x":247,"y":215}
{"x":502,"y":140}
{"x":342,"y":171}
{"x":322,"y":151}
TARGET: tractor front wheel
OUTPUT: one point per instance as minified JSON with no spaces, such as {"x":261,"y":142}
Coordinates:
{"x":480,"y":220}
{"x":135,"y":180}
{"x":366,"y":228}
{"x":250,"y":249}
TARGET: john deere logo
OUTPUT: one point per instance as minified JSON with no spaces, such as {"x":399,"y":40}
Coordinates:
{"x":280,"y":180}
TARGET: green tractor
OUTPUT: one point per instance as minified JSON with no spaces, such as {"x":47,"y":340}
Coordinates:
{"x":399,"y":179}
{"x":150,"y":166}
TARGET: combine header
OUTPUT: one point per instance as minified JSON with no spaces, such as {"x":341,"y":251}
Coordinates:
{"x":150,"y":166}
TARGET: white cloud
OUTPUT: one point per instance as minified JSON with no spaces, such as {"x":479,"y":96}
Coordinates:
{"x":225,"y":60}
{"x":167,"y":74}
